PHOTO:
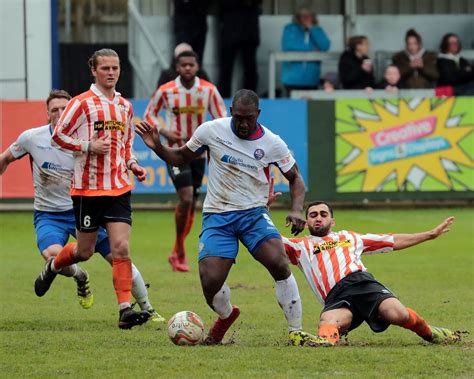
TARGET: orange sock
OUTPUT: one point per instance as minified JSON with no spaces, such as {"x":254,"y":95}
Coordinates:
{"x":122,"y":277}
{"x":418,"y":325}
{"x":65,"y":257}
{"x":329,"y":332}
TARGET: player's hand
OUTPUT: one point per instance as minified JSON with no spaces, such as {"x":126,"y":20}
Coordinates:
{"x":272,"y":196}
{"x":100,"y":145}
{"x":149,"y":134}
{"x":297,"y":223}
{"x":138,"y":171}
{"x":442,"y":228}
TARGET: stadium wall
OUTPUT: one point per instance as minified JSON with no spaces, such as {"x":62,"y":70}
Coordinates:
{"x":349,"y":150}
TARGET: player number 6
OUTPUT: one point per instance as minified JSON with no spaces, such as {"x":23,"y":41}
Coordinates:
{"x":87,"y":221}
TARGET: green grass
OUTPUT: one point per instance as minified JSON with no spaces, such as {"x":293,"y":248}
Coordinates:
{"x":53,"y":336}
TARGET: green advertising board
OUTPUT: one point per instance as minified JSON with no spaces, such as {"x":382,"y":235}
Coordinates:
{"x":392,"y":148}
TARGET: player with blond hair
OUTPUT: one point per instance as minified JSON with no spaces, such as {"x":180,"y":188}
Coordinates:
{"x":97,"y":127}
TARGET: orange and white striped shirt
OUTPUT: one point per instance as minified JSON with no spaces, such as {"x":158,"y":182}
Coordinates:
{"x":324,"y":261}
{"x":92,"y":113}
{"x":185,"y":108}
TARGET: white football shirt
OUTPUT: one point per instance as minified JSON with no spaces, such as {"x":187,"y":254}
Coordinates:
{"x":239,"y":169}
{"x":52,"y":169}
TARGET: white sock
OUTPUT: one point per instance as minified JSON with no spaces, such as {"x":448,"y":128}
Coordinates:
{"x":289,"y":299}
{"x":124,"y":305}
{"x":221,"y":302}
{"x":139,"y":290}
{"x":69,"y":271}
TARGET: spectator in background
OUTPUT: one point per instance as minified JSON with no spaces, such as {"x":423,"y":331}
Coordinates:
{"x":239,"y":33}
{"x":417,"y":66}
{"x":170,"y":73}
{"x":303,"y":34}
{"x":330,"y":82}
{"x":453,"y":69}
{"x":190,"y":24}
{"x":391,"y":79}
{"x":356,"y":70}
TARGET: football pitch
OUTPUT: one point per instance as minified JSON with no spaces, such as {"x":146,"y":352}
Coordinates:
{"x":54,"y":337}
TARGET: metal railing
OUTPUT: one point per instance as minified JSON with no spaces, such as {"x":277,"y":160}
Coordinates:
{"x":381,"y":59}
{"x":293,"y":56}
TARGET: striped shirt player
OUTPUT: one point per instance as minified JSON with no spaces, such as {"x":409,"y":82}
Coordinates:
{"x":187,"y":100}
{"x":185,"y":108}
{"x":327,"y":260}
{"x":97,"y":127}
{"x":331,"y":263}
{"x":91,"y":115}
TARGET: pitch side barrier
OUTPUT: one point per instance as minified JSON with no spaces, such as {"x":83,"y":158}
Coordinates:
{"x":351,"y":147}
{"x":380,"y":147}
{"x":329,"y":62}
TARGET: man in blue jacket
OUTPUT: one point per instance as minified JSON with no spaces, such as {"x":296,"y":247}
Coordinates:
{"x":303,"y":34}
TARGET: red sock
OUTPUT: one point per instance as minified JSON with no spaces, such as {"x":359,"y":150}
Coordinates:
{"x":181,"y":219}
{"x":330,"y":332}
{"x":189,"y":223}
{"x":66,"y":257}
{"x":122,"y":278}
{"x":416,"y":324}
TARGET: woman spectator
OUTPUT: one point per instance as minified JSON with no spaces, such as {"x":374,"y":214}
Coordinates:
{"x":453,"y":69}
{"x":355,"y":66}
{"x":391,"y":79}
{"x":417,"y":66}
{"x":303,"y":34}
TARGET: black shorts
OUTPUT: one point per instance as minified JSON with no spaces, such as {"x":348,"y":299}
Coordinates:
{"x":362,"y":295}
{"x":188,"y":175}
{"x":91,"y":212}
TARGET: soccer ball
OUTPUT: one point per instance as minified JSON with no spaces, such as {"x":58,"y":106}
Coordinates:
{"x":185,"y":328}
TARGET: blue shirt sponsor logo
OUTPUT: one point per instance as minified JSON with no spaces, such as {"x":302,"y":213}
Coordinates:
{"x":53,"y":166}
{"x":389,"y":153}
{"x":237,"y":162}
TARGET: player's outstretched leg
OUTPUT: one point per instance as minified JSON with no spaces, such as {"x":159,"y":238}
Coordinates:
{"x":429,"y":333}
{"x":394,"y":312}
{"x":227,"y":312}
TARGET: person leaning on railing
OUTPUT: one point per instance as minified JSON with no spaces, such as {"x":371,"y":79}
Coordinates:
{"x":356,"y":70}
{"x":454,"y":70}
{"x":303,"y":34}
{"x":417,"y":66}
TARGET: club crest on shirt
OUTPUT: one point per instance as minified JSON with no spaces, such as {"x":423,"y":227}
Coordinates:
{"x":258,"y":154}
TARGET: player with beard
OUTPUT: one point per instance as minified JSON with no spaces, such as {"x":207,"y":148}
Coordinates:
{"x":331,"y":263}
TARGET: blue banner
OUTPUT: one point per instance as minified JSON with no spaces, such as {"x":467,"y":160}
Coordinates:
{"x":287,"y":118}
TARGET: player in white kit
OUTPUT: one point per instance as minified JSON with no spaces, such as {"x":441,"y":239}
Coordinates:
{"x":54,"y":216}
{"x":241,"y":151}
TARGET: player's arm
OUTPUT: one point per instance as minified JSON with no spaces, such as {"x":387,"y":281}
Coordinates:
{"x":297,"y":192}
{"x":174,"y":156}
{"x":402,"y":241}
{"x":217,"y":107}
{"x":5,"y":159}
{"x":130,"y":159}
